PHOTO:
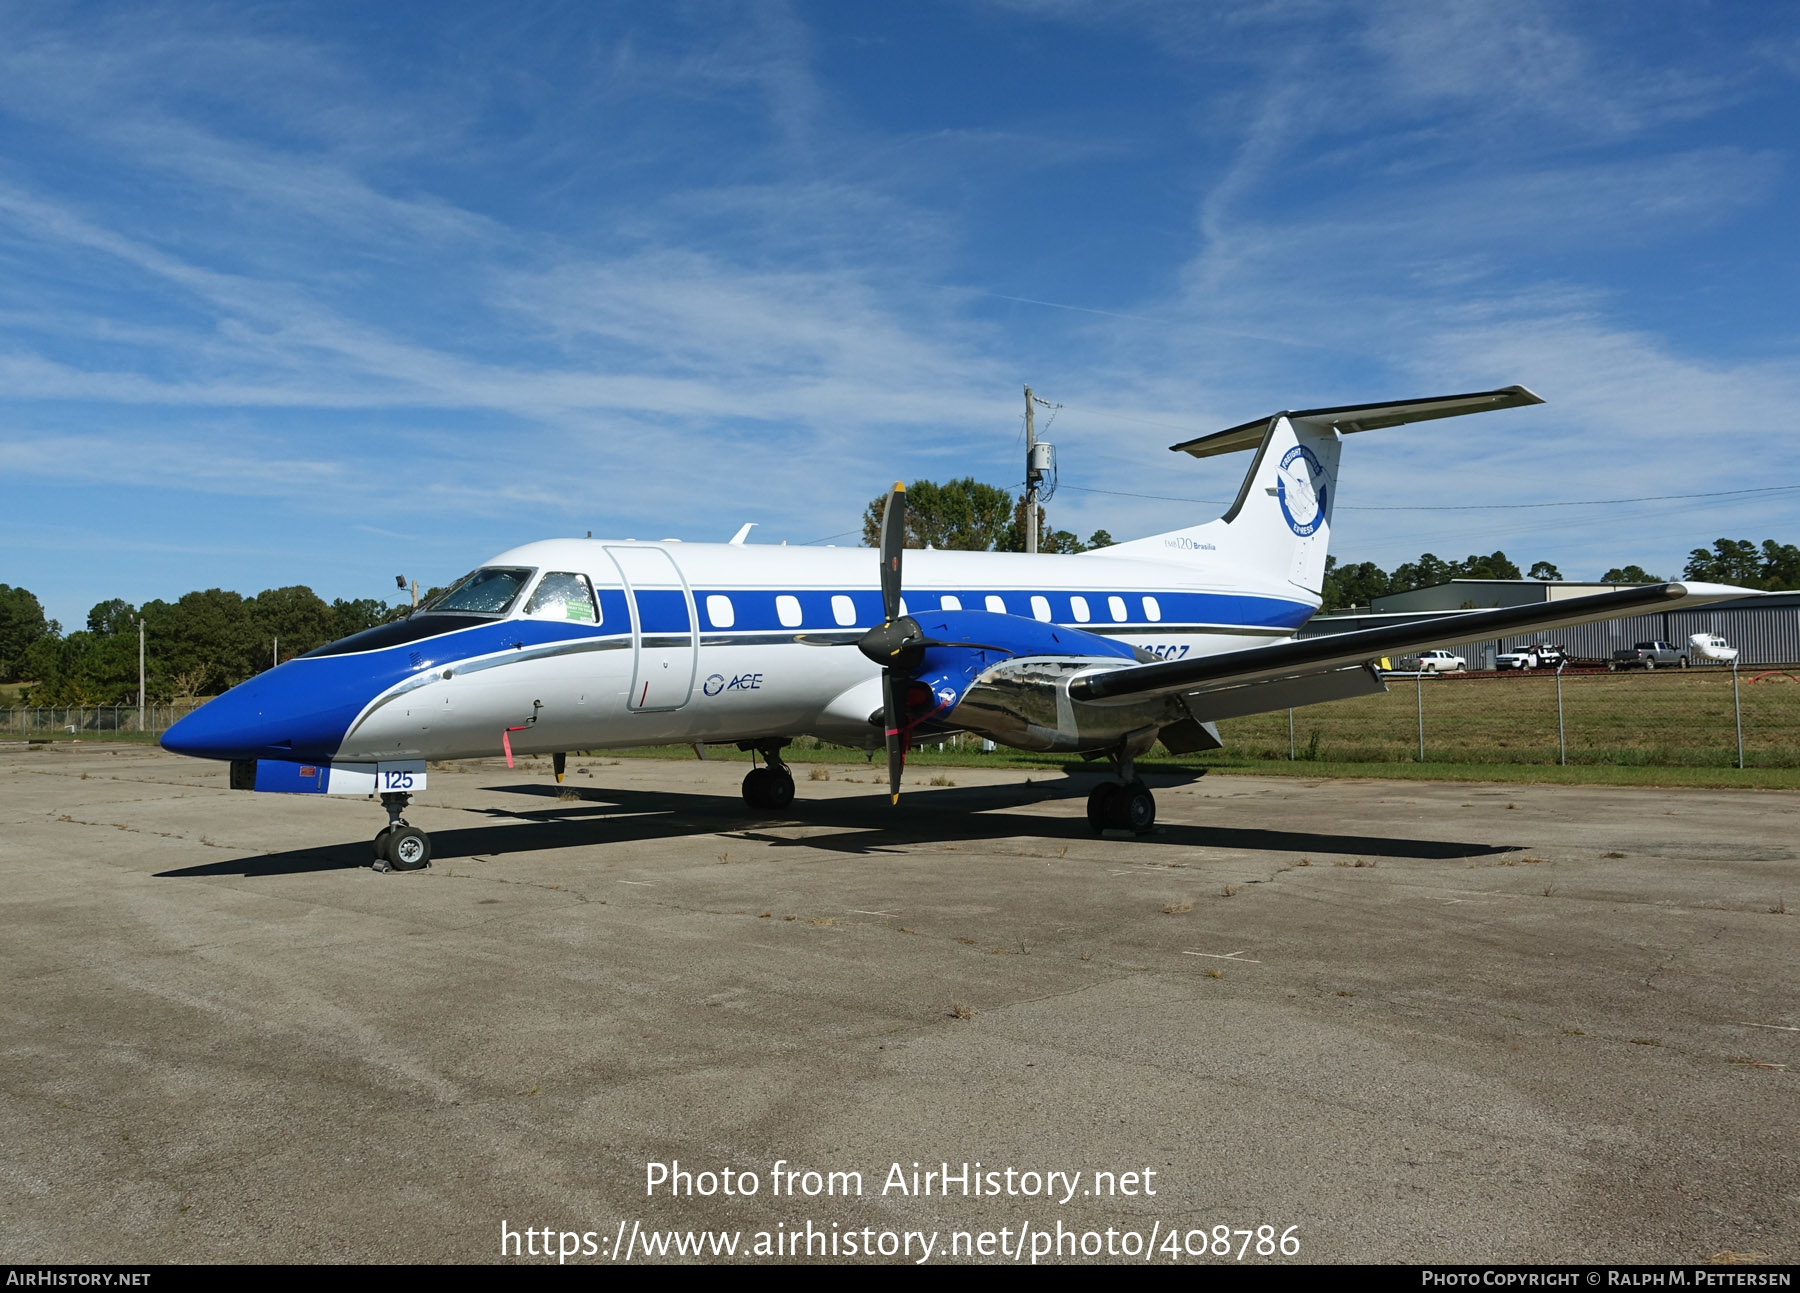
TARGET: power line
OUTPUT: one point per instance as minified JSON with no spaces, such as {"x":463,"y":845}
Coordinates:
{"x":1125,"y":417}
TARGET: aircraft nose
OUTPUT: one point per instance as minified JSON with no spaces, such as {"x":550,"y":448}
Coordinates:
{"x":233,"y":726}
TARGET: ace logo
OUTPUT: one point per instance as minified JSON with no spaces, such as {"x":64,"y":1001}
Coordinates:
{"x":742,"y":682}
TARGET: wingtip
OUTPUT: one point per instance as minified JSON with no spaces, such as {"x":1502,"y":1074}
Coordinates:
{"x":899,"y":487}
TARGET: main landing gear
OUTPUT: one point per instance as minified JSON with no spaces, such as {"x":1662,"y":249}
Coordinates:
{"x":397,"y":846}
{"x":1122,"y":805}
{"x":769,"y":788}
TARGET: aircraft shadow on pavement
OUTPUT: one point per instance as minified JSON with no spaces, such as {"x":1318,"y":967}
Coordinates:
{"x":585,"y":816}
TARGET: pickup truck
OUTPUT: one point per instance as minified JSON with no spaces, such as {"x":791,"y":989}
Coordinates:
{"x":1649,"y":655}
{"x":1541,"y":656}
{"x":1435,"y":661}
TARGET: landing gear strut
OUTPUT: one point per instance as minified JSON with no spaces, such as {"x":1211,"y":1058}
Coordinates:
{"x":398,"y":846}
{"x":770,"y":787}
{"x":1122,"y":805}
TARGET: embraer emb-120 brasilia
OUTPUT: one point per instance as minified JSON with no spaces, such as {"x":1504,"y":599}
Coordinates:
{"x":587,"y":644}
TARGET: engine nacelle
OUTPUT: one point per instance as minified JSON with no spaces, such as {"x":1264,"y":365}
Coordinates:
{"x":1026,"y":703}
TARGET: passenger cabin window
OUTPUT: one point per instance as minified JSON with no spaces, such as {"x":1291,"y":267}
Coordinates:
{"x":843,"y":610}
{"x":1040,"y":608}
{"x":1080,"y":607}
{"x":491,"y":590}
{"x":1152,"y":610}
{"x":949,"y":603}
{"x":787,"y":610}
{"x":564,"y":596}
{"x":719,"y":610}
{"x":1117,"y":606}
{"x":996,"y":604}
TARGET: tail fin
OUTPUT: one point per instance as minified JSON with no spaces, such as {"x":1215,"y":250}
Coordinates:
{"x":1280,"y":525}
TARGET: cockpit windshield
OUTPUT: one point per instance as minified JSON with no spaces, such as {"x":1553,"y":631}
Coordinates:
{"x":489,"y":591}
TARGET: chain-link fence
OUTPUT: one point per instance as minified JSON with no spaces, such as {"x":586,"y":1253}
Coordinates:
{"x":1678,"y":717}
{"x":1691,"y":718}
{"x":92,"y":720}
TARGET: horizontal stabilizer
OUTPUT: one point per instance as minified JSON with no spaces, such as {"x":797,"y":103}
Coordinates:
{"x":1360,"y":417}
{"x":1314,"y":655}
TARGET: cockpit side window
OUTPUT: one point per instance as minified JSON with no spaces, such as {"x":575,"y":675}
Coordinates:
{"x":564,"y":596}
{"x":492,"y":590}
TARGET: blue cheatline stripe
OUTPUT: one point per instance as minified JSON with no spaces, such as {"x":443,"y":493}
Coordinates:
{"x":301,"y":710}
{"x":754,"y":610}
{"x":663,"y":610}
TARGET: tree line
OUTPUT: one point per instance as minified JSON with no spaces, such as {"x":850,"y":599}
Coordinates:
{"x":1772,"y":567}
{"x":197,"y":645}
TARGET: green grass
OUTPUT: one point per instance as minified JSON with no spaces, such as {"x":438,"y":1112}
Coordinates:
{"x":1670,"y":728}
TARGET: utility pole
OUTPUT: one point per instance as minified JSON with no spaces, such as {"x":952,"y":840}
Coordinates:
{"x":1037,"y":465}
{"x":140,"y":673}
{"x":1031,"y":480}
{"x":275,"y":651}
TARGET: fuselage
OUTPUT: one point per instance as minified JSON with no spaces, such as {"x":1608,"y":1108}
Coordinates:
{"x":689,"y":642}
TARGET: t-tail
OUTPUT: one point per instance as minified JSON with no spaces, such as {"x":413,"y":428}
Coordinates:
{"x":1279,"y":526}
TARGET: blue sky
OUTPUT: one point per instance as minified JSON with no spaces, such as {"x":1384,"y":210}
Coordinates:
{"x":324,"y":293}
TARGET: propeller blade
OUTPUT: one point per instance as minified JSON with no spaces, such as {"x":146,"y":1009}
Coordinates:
{"x":893,"y":712}
{"x":893,"y":540}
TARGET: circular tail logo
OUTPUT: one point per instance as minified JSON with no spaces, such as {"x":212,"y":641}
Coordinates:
{"x":1300,"y":489}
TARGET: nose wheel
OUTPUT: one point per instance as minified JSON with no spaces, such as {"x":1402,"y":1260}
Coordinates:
{"x":399,"y":846}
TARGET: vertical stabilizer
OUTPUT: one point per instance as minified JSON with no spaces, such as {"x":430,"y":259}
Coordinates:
{"x":1280,"y":525}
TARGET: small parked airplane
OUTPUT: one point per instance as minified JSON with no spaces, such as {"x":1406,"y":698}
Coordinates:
{"x":572,"y":644}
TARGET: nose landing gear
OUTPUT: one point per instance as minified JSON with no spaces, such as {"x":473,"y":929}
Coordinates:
{"x":399,"y":846}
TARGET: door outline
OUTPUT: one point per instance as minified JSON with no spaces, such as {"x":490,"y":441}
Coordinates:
{"x":640,"y":653}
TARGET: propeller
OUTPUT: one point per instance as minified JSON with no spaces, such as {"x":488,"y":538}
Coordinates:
{"x":898,"y":645}
{"x":889,"y":643}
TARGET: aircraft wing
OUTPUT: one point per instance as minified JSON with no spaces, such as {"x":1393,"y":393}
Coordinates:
{"x":1309,"y":657}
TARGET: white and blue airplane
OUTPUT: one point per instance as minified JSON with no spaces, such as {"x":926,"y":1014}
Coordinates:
{"x":578,"y":644}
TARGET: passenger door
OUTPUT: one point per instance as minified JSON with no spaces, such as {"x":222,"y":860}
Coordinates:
{"x":662,"y":626}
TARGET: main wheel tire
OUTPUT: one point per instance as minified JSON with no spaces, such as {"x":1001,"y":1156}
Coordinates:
{"x":378,"y":845}
{"x":780,"y":789}
{"x":1649,"y":664}
{"x":756,"y":783}
{"x":1683,"y":662}
{"x":1100,"y":804}
{"x":409,"y":849}
{"x":1134,"y":808}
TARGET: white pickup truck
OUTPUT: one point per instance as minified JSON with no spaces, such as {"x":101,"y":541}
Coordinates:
{"x":1541,"y":656}
{"x":1441,"y":661}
